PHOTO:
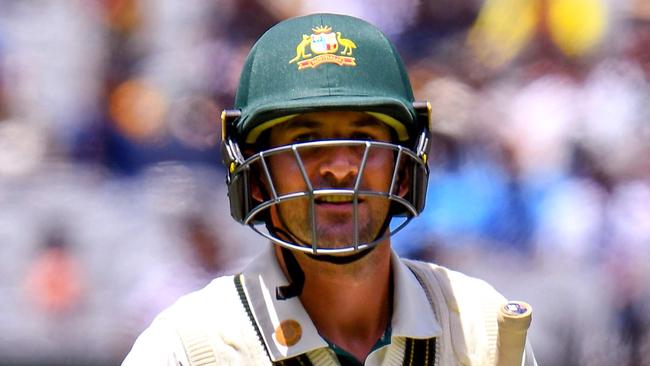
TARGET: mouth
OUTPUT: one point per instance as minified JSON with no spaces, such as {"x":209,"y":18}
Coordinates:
{"x":335,"y":199}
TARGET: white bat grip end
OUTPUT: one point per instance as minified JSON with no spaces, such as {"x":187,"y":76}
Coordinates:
{"x":513,"y":319}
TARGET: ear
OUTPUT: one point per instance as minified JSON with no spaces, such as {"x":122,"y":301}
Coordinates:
{"x":256,"y":189}
{"x":257,"y":185}
{"x":404,"y":182}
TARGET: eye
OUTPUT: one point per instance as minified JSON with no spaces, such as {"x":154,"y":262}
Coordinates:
{"x":304,"y":137}
{"x":363,"y":136}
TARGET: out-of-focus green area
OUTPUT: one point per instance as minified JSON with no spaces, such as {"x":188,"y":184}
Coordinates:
{"x":112,"y":197}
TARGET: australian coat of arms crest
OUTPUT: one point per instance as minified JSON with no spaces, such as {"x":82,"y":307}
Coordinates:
{"x":324,"y":46}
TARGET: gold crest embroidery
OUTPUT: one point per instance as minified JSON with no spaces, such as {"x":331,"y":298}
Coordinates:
{"x":322,"y":47}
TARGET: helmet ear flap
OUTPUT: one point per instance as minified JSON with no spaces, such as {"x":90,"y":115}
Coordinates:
{"x":420,"y":143}
{"x":245,"y":187}
{"x":231,"y":155}
{"x":422,"y":137}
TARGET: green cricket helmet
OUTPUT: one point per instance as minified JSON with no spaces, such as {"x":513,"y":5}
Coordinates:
{"x":323,"y":62}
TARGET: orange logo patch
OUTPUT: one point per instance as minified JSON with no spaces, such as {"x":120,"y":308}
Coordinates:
{"x":324,"y":46}
{"x":288,"y":333}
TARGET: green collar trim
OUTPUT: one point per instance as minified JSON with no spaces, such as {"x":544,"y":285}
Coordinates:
{"x":347,"y":359}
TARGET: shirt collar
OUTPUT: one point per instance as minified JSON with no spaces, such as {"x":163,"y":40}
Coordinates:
{"x":412,"y":315}
{"x":260,"y":279}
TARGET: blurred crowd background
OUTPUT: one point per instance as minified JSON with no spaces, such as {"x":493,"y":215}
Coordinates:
{"x":112,"y":196}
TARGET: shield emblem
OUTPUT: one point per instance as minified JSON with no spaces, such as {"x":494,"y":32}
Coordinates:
{"x":324,"y":43}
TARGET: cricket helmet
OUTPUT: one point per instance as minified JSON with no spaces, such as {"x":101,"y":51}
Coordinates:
{"x":323,"y":62}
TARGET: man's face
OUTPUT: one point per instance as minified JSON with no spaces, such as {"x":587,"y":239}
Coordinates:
{"x":332,"y":167}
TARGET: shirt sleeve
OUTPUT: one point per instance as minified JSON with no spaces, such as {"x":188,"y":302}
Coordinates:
{"x":158,"y":345}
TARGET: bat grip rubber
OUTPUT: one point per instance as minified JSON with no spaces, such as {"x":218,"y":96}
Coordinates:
{"x":513,"y":319}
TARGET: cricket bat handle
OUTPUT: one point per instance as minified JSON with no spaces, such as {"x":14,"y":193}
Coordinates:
{"x":513,"y":319}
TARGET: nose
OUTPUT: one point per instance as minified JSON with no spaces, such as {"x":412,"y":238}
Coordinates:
{"x":339,"y":166}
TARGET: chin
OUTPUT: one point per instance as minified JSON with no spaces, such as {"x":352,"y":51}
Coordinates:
{"x":336,"y":240}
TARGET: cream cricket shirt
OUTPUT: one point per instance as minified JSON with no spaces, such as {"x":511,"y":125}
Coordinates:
{"x":217,"y":315}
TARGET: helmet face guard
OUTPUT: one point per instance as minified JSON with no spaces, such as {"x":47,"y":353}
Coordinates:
{"x":254,"y":191}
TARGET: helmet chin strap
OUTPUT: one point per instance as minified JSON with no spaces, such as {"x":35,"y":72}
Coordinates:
{"x":296,"y":274}
{"x":296,"y":277}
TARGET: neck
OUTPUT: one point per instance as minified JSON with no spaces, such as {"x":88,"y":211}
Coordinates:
{"x":350,"y":304}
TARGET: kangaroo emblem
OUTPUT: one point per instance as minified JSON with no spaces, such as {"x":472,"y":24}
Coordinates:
{"x":300,"y":49}
{"x":322,"y":47}
{"x":347,"y":44}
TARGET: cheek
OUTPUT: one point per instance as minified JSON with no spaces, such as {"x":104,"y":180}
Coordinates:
{"x":286,"y":173}
{"x":379,"y":170}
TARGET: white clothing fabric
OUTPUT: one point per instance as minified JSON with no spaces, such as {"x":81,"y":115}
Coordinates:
{"x":216,"y":316}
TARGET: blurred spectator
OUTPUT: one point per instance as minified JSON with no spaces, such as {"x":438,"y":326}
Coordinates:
{"x":54,"y":281}
{"x":196,"y":241}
